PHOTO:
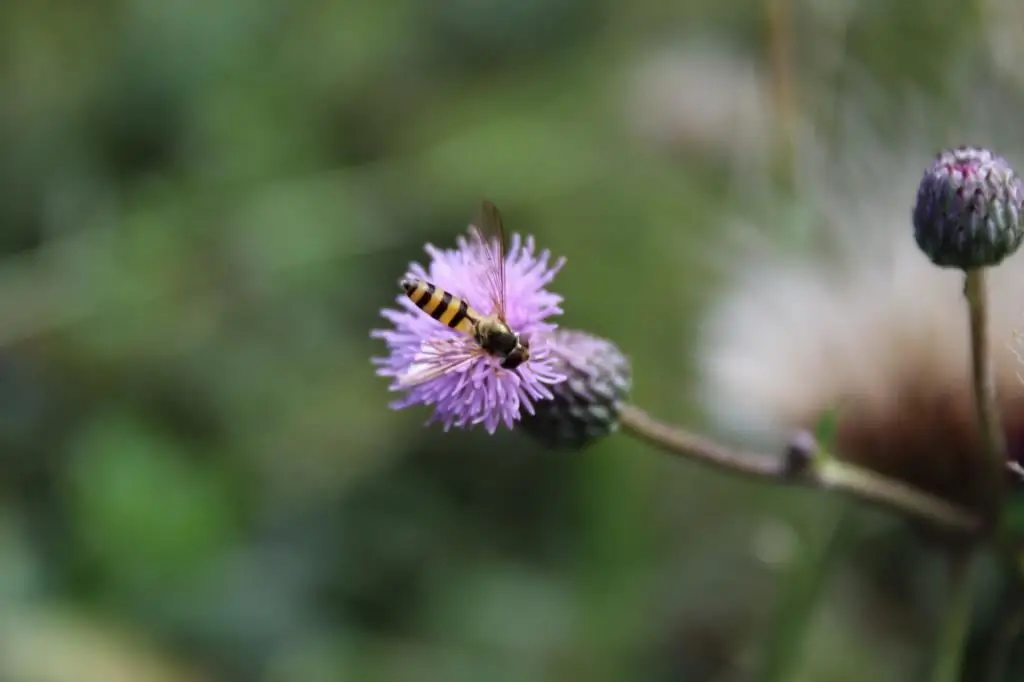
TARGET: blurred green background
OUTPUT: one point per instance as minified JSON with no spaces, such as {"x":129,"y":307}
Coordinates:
{"x":203,"y":206}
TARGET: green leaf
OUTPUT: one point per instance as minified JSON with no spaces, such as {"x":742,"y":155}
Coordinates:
{"x":826,"y":428}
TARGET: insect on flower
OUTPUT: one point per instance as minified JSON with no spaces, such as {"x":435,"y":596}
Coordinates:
{"x":492,"y":331}
{"x":470,"y":337}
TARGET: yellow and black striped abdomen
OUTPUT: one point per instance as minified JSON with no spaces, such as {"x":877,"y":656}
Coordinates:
{"x":449,"y":310}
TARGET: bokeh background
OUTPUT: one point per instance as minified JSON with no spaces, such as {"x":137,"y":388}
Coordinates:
{"x":203,"y":206}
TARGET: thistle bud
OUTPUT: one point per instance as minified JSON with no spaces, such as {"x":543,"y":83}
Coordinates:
{"x":969,"y":210}
{"x":586,"y":405}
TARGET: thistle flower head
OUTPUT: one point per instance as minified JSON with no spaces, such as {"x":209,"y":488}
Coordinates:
{"x":970,"y":209}
{"x":586,"y":405}
{"x":464,"y":384}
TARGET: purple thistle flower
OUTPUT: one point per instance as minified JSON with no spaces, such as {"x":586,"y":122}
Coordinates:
{"x":471,"y":388}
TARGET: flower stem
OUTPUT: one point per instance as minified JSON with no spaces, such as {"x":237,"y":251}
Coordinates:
{"x":777,"y":19}
{"x":984,"y":381}
{"x":956,"y":620}
{"x":816,"y":472}
{"x":886,"y":492}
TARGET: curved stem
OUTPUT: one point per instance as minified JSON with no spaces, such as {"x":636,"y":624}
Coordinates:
{"x":677,"y":441}
{"x":893,"y":494}
{"x":956,"y":620}
{"x":816,"y":472}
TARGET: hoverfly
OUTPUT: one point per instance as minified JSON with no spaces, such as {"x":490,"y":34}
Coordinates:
{"x":491,"y":332}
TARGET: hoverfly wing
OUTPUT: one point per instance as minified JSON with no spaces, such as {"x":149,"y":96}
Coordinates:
{"x":427,"y":368}
{"x":488,"y":232}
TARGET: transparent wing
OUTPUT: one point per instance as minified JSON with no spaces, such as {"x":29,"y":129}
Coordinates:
{"x":429,"y":369}
{"x":488,"y":233}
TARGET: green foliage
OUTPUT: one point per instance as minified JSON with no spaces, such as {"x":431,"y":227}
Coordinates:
{"x":146,"y":512}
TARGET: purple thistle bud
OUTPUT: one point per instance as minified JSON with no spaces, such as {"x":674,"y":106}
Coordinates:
{"x":586,"y":406}
{"x":465,"y":385}
{"x":969,"y":210}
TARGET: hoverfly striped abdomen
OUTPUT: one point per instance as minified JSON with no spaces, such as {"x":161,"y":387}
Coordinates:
{"x":443,"y":306}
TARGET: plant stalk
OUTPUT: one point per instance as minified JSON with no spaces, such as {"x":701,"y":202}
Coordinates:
{"x":983,"y":380}
{"x":956,"y":620}
{"x":824,"y":473}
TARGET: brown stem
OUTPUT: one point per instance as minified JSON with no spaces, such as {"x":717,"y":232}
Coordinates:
{"x":824,"y":473}
{"x":679,"y":442}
